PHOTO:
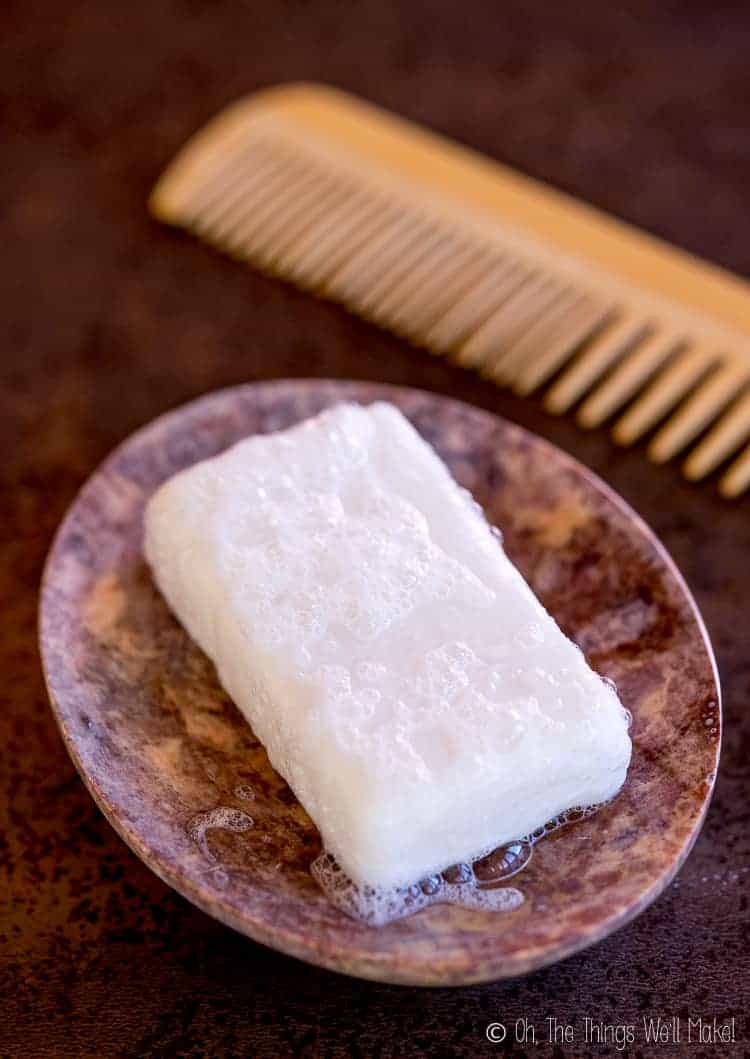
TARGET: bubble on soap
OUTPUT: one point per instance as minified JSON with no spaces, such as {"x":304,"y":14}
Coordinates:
{"x":366,"y":700}
{"x":448,"y":669}
{"x":334,"y":679}
{"x":369,"y":561}
{"x":370,"y":673}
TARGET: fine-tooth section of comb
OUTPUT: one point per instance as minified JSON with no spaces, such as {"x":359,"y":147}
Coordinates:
{"x":471,"y":260}
{"x":475,"y":305}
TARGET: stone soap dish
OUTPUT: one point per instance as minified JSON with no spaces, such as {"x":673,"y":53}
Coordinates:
{"x":181,"y":777}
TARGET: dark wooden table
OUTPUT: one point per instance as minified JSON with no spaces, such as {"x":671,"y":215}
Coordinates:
{"x":108,"y":320}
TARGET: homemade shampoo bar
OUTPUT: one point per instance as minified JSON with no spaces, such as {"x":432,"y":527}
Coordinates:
{"x":362,"y":614}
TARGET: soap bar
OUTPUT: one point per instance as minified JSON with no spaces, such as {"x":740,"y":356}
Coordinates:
{"x":402,"y":676}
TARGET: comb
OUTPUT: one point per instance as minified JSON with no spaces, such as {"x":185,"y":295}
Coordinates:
{"x":471,"y":260}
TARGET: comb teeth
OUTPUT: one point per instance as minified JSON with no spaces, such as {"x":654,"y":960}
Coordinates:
{"x":461,"y":259}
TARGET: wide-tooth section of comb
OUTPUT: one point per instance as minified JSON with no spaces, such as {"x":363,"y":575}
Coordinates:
{"x":663,"y":394}
{"x":731,"y":431}
{"x":737,"y":479}
{"x":628,"y":377}
{"x":599,"y":355}
{"x":473,"y":261}
{"x":700,"y":409}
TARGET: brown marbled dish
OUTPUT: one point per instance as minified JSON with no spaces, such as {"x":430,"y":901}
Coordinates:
{"x":160,"y":745}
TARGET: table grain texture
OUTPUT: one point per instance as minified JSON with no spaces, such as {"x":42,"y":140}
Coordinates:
{"x":108,"y":319}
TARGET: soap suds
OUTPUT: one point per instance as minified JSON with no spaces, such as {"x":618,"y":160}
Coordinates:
{"x":475,"y":885}
{"x":378,"y":906}
{"x":222,"y":818}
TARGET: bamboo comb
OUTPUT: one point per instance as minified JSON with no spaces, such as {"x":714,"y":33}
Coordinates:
{"x":474,"y":261}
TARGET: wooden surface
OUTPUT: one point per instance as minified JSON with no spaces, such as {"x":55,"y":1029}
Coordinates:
{"x":109,"y":320}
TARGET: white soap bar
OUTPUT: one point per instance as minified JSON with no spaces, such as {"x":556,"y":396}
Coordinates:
{"x":402,"y":676}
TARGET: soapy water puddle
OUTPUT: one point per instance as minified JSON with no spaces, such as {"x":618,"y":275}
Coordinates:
{"x":222,"y":818}
{"x":478,"y":885}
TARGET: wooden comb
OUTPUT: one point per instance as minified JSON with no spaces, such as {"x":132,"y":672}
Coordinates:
{"x":469,"y":259}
